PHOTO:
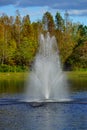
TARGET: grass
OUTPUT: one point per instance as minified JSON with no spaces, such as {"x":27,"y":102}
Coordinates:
{"x":23,"y":75}
{"x":77,"y":74}
{"x":13,"y":76}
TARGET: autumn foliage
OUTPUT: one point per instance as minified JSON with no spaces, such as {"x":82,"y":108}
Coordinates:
{"x":19,"y":41}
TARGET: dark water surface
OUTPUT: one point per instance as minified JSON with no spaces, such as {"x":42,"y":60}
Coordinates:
{"x":16,"y":115}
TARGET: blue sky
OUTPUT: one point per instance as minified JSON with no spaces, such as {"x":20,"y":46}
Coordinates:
{"x":77,"y":9}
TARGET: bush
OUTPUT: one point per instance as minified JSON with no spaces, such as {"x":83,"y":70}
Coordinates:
{"x":8,"y":68}
{"x":78,"y":59}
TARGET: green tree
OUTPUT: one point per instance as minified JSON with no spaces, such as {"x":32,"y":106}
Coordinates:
{"x":27,"y":30}
{"x":17,"y":28}
{"x":37,"y":29}
{"x":66,"y":42}
{"x":5,"y":36}
{"x":26,"y":52}
{"x":59,"y":22}
{"x":82,"y":34}
{"x":48,"y":23}
{"x":78,"y":58}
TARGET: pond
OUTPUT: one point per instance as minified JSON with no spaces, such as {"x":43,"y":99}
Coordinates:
{"x":51,"y":116}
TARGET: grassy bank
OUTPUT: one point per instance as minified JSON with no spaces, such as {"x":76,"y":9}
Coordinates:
{"x":13,"y":76}
{"x":76,"y":74}
{"x":23,"y":75}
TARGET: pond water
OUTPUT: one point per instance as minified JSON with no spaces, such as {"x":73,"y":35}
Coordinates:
{"x":51,"y":116}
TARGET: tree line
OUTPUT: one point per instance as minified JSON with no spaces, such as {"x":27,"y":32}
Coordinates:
{"x":19,"y":41}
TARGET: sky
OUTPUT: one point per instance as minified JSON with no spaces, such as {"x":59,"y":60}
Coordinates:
{"x":77,"y":9}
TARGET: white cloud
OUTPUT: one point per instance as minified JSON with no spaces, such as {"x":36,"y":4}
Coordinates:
{"x":75,"y":7}
{"x":77,"y":12}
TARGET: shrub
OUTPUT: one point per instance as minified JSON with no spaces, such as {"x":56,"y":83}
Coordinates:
{"x":8,"y":68}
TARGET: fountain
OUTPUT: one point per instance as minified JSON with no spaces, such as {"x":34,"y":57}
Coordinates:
{"x":47,"y":82}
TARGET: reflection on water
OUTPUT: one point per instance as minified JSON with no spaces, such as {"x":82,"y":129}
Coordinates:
{"x":51,"y":116}
{"x":17,"y":86}
{"x":11,"y":86}
{"x":77,"y":85}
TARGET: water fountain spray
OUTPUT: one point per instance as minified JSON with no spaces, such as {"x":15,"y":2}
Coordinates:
{"x":47,"y":80}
